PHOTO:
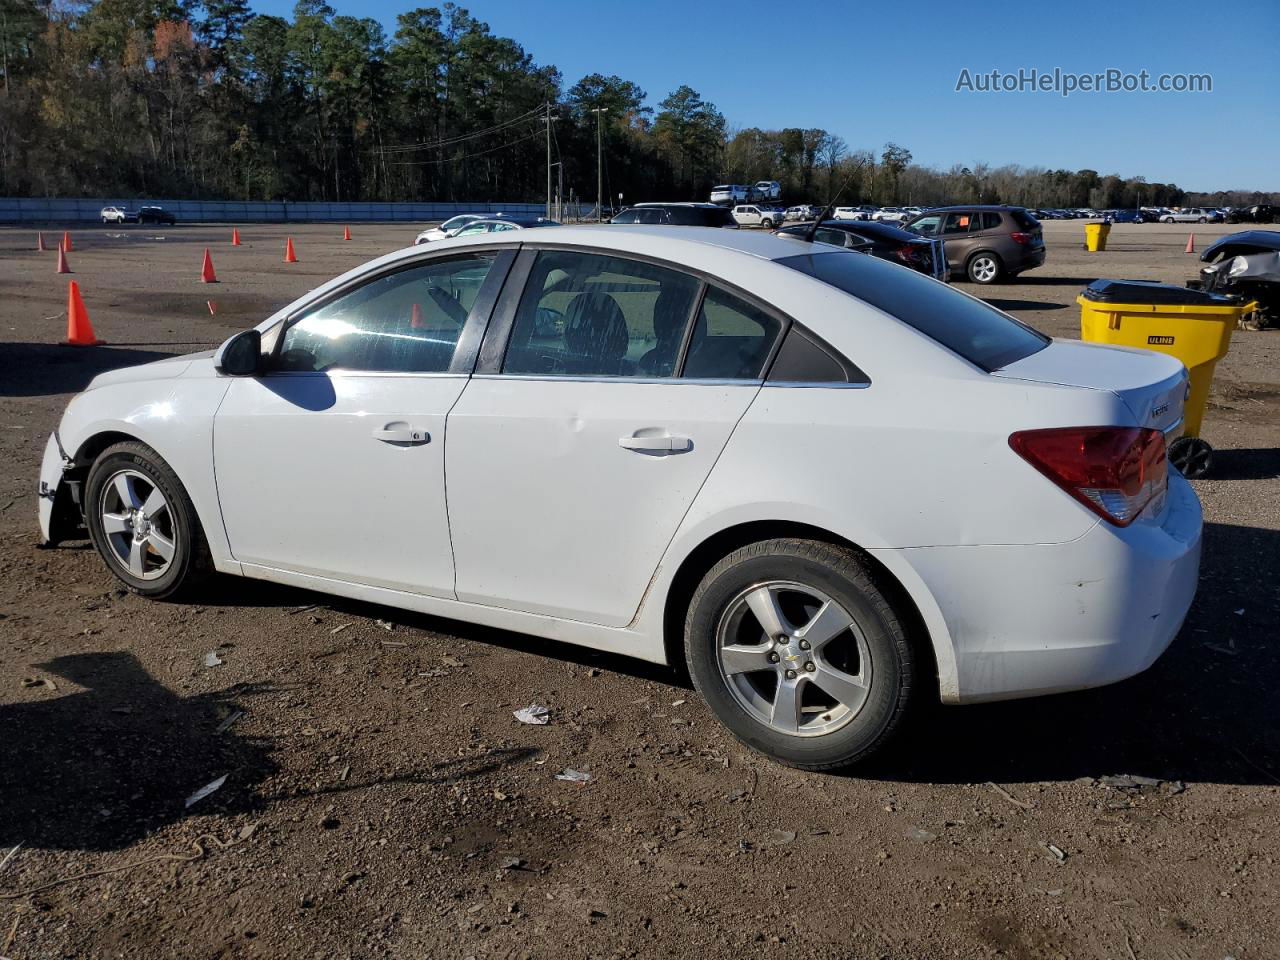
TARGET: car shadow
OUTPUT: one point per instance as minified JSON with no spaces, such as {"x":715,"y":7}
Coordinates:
{"x":1249,"y":464}
{"x":1205,"y":712}
{"x":111,"y":755}
{"x":42,"y":369}
{"x":1012,"y":305}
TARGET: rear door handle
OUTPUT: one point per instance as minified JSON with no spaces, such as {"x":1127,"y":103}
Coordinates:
{"x":402,"y":433}
{"x":664,"y":444}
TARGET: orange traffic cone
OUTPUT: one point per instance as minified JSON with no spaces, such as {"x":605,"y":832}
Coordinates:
{"x":289,"y":255}
{"x":66,"y":241}
{"x":206,"y":270}
{"x":1191,"y":243}
{"x":235,"y":237}
{"x":79,"y":329}
{"x":62,"y":261}
{"x":346,"y":233}
{"x":40,"y":242}
{"x":213,"y":308}
{"x":415,"y":318}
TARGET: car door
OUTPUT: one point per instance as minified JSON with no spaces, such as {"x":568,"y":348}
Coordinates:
{"x":607,"y":388}
{"x":956,"y":227}
{"x":331,"y":463}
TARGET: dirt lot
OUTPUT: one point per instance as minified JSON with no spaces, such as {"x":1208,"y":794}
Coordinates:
{"x":381,"y":801}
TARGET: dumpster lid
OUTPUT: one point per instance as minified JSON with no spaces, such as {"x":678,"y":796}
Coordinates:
{"x":1152,"y":291}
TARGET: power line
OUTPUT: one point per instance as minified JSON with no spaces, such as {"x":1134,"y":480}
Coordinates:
{"x":461,"y":138}
{"x":465,"y":156}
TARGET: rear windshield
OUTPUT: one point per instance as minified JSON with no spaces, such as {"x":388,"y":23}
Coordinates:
{"x":980,"y":333}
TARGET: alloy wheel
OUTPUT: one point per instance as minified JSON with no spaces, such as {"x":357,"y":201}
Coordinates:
{"x":793,"y":658}
{"x":138,"y":524}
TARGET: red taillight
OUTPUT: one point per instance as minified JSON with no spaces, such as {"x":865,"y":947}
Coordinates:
{"x":1019,"y":237}
{"x":1114,"y":471}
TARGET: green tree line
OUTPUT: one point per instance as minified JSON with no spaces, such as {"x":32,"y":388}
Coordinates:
{"x":206,"y":99}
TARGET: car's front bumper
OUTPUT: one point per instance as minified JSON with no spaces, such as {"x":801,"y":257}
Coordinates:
{"x":1029,"y":620}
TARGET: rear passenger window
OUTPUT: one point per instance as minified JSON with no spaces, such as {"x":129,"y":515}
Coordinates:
{"x":404,"y":322}
{"x":588,"y":315}
{"x":990,"y":221}
{"x":731,"y":339}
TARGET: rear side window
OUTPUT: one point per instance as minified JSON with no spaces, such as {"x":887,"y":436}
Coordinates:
{"x":990,"y":220}
{"x":731,"y":339}
{"x":1025,"y":220}
{"x":966,"y":326}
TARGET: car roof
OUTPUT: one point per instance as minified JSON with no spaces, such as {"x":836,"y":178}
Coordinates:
{"x":979,"y":206}
{"x":679,"y":203}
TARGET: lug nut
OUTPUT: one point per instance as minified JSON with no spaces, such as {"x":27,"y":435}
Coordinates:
{"x":791,"y":674}
{"x":773,"y":658}
{"x":810,"y":667}
{"x":804,"y":644}
{"x":784,"y":639}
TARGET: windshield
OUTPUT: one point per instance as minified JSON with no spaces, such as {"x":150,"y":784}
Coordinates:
{"x":964,"y":325}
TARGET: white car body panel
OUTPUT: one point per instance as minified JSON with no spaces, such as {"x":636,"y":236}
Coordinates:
{"x":568,"y":485}
{"x":1021,"y":588}
{"x":305,"y":485}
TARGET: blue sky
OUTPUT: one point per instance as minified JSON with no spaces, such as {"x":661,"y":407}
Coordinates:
{"x":874,"y":72}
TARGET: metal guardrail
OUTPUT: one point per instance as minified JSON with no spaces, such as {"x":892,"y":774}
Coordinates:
{"x":82,"y":209}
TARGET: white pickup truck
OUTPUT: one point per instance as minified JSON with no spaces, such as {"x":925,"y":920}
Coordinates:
{"x":750,"y":215}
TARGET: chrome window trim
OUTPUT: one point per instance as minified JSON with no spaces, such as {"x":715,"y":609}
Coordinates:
{"x":346,"y":372}
{"x":825,"y":385}
{"x":668,"y":381}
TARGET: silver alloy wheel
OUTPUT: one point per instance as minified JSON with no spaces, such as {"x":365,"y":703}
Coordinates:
{"x":137,"y":524}
{"x":984,"y":269}
{"x":793,"y":658}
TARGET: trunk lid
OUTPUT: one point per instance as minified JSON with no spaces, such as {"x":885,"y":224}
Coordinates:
{"x":1153,"y":386}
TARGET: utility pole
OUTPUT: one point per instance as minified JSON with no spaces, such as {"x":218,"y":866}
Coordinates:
{"x":599,"y":164}
{"x":549,"y":118}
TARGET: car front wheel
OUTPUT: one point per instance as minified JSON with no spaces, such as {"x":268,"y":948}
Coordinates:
{"x":799,"y":653}
{"x":984,"y":268}
{"x":142,"y":522}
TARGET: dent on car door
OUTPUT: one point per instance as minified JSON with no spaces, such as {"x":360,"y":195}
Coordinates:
{"x":607,"y":387}
{"x":332,"y":462}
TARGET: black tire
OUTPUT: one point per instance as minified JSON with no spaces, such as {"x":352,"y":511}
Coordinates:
{"x":767,"y":223}
{"x":974,"y":268}
{"x":842,"y":576}
{"x":1192,"y":457}
{"x":1203,"y":220}
{"x":190,"y":562}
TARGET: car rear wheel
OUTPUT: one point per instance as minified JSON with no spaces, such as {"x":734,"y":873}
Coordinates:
{"x":984,"y":268}
{"x":799,"y":653}
{"x":142,"y":521}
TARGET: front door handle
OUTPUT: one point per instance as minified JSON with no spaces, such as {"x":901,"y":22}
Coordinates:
{"x":402,"y":433}
{"x":663,"y":444}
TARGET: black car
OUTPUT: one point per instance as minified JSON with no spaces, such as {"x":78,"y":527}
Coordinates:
{"x":883,"y":240}
{"x":679,"y":215}
{"x":1258,"y":213}
{"x":155,"y":215}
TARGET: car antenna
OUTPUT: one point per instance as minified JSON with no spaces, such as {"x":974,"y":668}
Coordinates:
{"x":826,"y":211}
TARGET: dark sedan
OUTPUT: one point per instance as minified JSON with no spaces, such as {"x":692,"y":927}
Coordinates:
{"x":883,"y":240}
{"x":1258,"y":213}
{"x":155,"y":215}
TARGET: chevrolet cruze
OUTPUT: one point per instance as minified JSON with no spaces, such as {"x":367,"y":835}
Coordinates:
{"x":832,"y":486}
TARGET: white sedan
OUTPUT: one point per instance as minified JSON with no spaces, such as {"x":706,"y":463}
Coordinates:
{"x":831,"y":485}
{"x":450,"y":227}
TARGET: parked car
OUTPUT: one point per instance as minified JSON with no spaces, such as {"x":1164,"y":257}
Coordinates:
{"x":890,"y":215}
{"x":863,"y":212}
{"x":154,"y":214}
{"x":731,"y":194}
{"x":962,"y":474}
{"x":751,"y":215}
{"x":451,"y":226}
{"x":985,"y":243}
{"x":1191,"y":215}
{"x":766,"y":190}
{"x":504,"y":224}
{"x":678,"y":214}
{"x":884,"y":240}
{"x":1258,"y":213}
{"x":1124,"y":216}
{"x":118,"y":215}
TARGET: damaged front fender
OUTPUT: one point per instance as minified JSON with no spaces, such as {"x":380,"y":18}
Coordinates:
{"x":60,"y":513}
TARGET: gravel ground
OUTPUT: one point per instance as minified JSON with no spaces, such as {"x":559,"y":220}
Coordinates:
{"x":381,"y":801}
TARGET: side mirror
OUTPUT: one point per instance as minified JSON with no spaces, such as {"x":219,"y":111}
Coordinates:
{"x":241,"y":356}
